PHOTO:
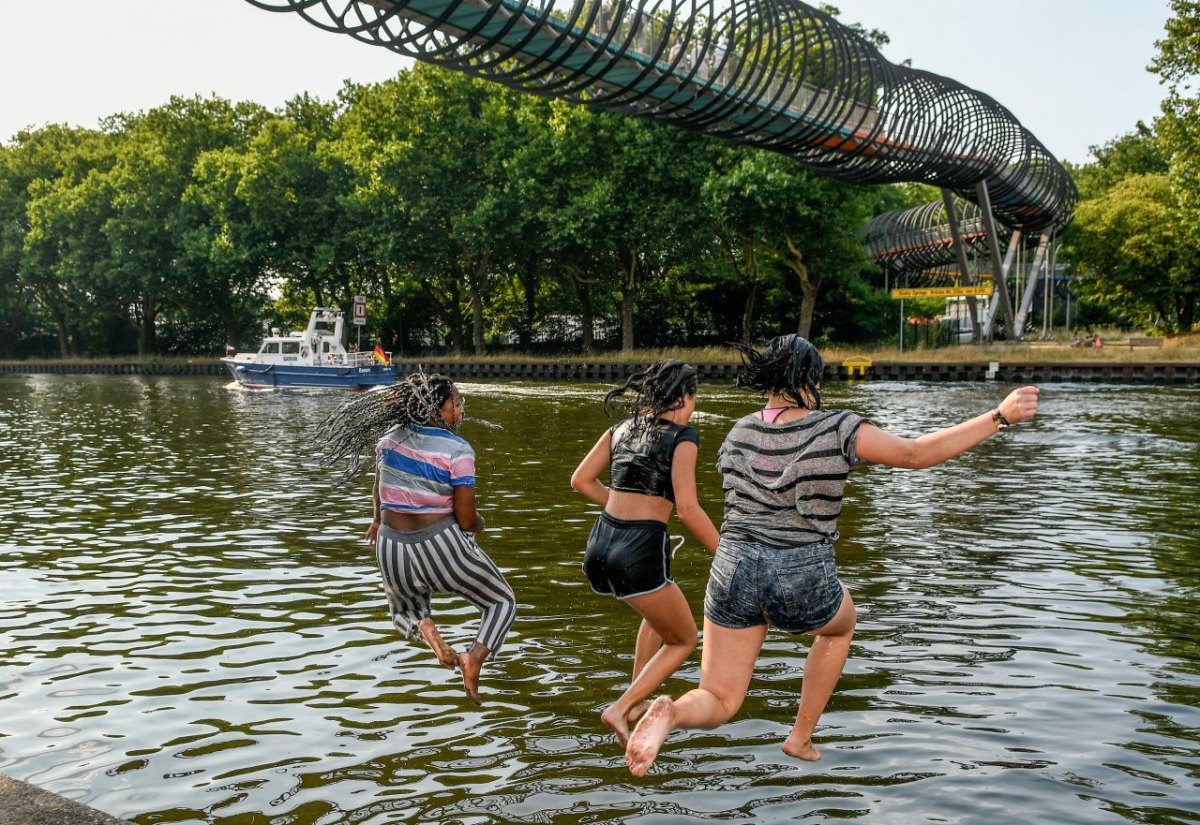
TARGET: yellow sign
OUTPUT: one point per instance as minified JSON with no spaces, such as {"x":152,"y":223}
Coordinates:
{"x":944,"y":292}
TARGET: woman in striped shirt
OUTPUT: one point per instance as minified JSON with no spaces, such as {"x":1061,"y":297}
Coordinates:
{"x":425,"y":520}
{"x":784,"y":471}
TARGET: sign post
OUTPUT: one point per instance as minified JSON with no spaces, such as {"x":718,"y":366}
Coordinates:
{"x":359,"y":316}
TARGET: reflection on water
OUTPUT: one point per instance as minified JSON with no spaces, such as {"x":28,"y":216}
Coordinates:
{"x":194,"y":631}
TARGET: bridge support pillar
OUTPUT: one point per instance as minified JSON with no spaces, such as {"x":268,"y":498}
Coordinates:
{"x":999,"y":287}
{"x":960,"y":251}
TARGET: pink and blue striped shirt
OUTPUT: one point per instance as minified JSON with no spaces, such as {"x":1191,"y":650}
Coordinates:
{"x":419,"y":467}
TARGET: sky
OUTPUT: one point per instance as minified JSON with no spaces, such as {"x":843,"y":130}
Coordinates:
{"x":1072,"y":71}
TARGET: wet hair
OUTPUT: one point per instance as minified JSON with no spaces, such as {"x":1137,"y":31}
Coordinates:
{"x":787,"y":365}
{"x":351,"y":431}
{"x":659,"y":389}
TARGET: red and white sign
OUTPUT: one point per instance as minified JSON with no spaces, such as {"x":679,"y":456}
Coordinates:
{"x":360,"y":309}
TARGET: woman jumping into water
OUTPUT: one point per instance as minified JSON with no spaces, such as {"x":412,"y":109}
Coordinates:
{"x":784,"y":471}
{"x":651,"y":458}
{"x":425,"y":521}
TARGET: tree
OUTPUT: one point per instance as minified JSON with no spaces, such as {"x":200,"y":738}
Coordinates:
{"x":156,"y":159}
{"x":1132,"y":250}
{"x":631,"y":189}
{"x":429,"y":150}
{"x":1136,"y":153}
{"x":775,"y":218}
{"x":66,"y":205}
{"x":223,"y":269}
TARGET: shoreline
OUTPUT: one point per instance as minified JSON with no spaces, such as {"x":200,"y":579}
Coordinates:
{"x":24,"y":804}
{"x":849,"y":369}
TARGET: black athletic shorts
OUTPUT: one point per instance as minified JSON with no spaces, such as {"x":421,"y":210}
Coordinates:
{"x":627,"y":558}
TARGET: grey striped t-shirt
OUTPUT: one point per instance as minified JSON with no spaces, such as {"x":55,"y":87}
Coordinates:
{"x":784,"y":482}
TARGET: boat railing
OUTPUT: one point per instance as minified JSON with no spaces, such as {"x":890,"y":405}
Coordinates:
{"x":350,"y":359}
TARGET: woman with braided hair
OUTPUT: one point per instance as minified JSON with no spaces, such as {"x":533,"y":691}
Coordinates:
{"x":651,"y":458}
{"x":425,"y":519}
{"x":784,"y":471}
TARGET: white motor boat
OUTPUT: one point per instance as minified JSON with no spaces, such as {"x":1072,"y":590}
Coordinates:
{"x":314,"y":357}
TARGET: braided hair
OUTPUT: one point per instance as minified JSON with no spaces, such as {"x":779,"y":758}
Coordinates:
{"x":787,"y":365}
{"x":351,"y":431}
{"x":660,"y":388}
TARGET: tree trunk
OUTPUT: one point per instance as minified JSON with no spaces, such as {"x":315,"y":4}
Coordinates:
{"x":529,"y":283}
{"x":753,"y":280}
{"x":808,"y":303}
{"x":475,"y":283}
{"x":810,"y":285}
{"x":64,"y":340}
{"x":587,"y":315}
{"x":146,"y":329}
{"x":629,"y":279}
{"x":1186,"y":313}
{"x":454,"y":316}
{"x":748,"y":312}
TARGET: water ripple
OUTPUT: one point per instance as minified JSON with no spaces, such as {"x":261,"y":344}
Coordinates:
{"x":195,"y":633}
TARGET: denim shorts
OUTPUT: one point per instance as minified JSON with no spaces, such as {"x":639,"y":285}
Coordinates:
{"x":794,"y":589}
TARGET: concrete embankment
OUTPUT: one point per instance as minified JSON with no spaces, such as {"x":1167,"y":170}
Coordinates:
{"x":25,"y":804}
{"x":1115,"y":372}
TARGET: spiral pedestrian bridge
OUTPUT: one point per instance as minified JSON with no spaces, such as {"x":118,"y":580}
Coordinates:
{"x":775,"y":74}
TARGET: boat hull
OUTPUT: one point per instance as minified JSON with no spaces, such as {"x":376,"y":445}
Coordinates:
{"x":274,"y":376}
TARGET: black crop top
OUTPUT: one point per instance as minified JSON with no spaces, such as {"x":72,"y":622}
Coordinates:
{"x":641,"y":460}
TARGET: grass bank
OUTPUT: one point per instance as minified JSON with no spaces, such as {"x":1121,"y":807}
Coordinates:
{"x":1180,"y":348}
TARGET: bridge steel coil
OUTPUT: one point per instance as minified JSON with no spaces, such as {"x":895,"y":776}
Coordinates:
{"x":775,"y":74}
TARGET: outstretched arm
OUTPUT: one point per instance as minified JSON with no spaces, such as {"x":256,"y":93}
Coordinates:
{"x":586,"y":478}
{"x":881,"y":447}
{"x":687,"y":504}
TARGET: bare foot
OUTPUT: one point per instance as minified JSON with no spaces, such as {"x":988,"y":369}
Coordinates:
{"x":443,"y":651}
{"x":617,"y":721}
{"x":649,"y":735}
{"x":801,"y":749}
{"x":469,"y":666}
{"x":637,"y":710}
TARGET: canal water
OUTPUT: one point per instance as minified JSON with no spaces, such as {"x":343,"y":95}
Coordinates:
{"x":193,"y":630}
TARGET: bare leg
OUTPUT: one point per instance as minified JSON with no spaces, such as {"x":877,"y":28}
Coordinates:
{"x":443,"y":651}
{"x":648,"y":643}
{"x":726,"y":664}
{"x":669,"y":618}
{"x":469,"y":664}
{"x":822,"y":669}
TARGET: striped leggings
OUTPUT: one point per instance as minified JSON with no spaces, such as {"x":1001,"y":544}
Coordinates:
{"x":442,"y":559}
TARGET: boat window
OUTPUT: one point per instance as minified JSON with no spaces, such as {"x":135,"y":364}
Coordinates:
{"x":291,"y":347}
{"x":271,"y":347}
{"x":326,"y":345}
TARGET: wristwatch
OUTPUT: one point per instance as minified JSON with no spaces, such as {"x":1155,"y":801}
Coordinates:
{"x":999,"y":420}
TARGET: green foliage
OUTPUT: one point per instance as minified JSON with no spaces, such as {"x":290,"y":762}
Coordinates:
{"x":1137,"y":153}
{"x":1133,"y":244}
{"x":469,"y":215}
{"x":1131,"y":251}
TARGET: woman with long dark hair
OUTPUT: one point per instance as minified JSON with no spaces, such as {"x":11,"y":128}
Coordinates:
{"x":425,"y":520}
{"x":784,"y":471}
{"x":651,"y":458}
